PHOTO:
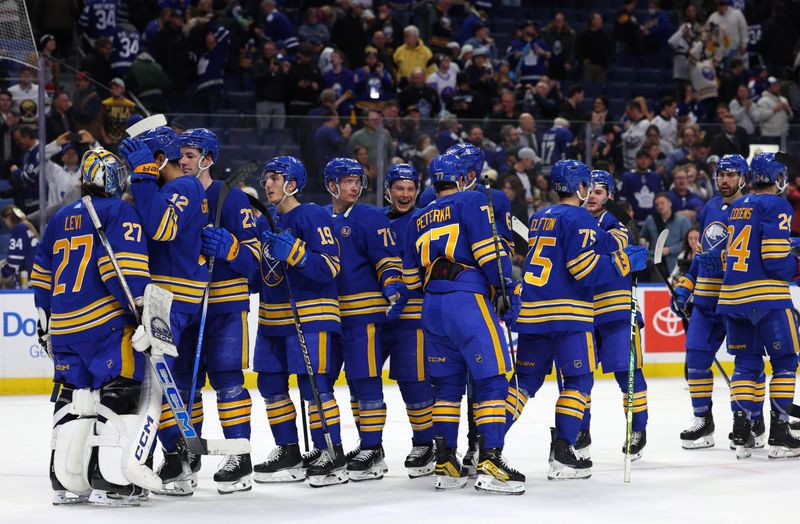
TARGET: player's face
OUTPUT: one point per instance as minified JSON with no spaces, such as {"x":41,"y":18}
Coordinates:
{"x":402,"y":194}
{"x":597,"y":196}
{"x":190,"y":160}
{"x":273,"y":185}
{"x":727,"y":183}
{"x":349,"y":189}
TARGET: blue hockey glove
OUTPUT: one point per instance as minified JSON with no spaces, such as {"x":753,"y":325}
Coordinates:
{"x":395,"y":291}
{"x":286,"y":248}
{"x":711,"y":263}
{"x":139,"y":158}
{"x":218,"y":242}
{"x":683,"y":291}
{"x":508,"y":313}
{"x":630,"y":259}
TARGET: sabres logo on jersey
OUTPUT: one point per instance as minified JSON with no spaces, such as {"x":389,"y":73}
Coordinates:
{"x":715,"y":236}
{"x":346,"y":231}
{"x":271,"y":268}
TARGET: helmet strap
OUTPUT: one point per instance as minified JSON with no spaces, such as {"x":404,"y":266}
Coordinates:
{"x":582,"y":198}
{"x":200,"y":168}
{"x":286,"y":194}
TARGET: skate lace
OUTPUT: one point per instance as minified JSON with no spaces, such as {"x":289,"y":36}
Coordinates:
{"x":698,"y":423}
{"x":230,"y":463}
{"x":636,"y":437}
{"x":365,"y":455}
{"x":505,"y":466}
{"x":275,"y":454}
{"x":418,"y":451}
{"x":324,"y":459}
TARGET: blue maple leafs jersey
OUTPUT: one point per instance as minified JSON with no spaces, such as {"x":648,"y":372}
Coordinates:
{"x":98,"y":18}
{"x":21,"y":251}
{"x":172,"y":217}
{"x":566,"y":260}
{"x":758,"y":259}
{"x":314,"y":285}
{"x":713,"y":239}
{"x":73,"y":277}
{"x":370,"y":259}
{"x":554,"y":145}
{"x":229,"y":290}
{"x":454,"y":228}
{"x":126,"y":47}
{"x":412,"y":313}
{"x":612,"y":300}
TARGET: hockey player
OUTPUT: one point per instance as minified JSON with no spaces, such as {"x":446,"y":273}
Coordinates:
{"x":757,"y":308}
{"x":701,"y":284}
{"x":371,"y":276}
{"x":173,"y":210}
{"x":403,"y":338}
{"x":556,"y":321}
{"x":452,"y":255}
{"x":612,"y":323}
{"x":226,"y":351}
{"x":304,"y":255}
{"x":93,"y":338}
{"x":21,"y":246}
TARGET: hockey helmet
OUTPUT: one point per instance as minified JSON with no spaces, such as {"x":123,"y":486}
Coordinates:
{"x":605,"y":180}
{"x":162,"y":140}
{"x":202,"y":139}
{"x":764,"y":169}
{"x":339,"y":168}
{"x":470,"y":159}
{"x":444,"y":169}
{"x":566,"y":176}
{"x":101,"y":168}
{"x":291,"y":169}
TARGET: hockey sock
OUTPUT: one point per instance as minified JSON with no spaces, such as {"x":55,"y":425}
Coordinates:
{"x":353,"y":387}
{"x":570,"y":405}
{"x":490,"y":410}
{"x":639,"y":397}
{"x":168,"y":431}
{"x":781,"y":386}
{"x":761,"y":391}
{"x":747,"y":369}
{"x":447,"y":393}
{"x":371,"y":411}
{"x":418,"y":397}
{"x":700,"y":379}
{"x":282,"y":416}
{"x":515,"y":403}
{"x":587,"y":414}
{"x":329,"y":407}
{"x":233,"y":403}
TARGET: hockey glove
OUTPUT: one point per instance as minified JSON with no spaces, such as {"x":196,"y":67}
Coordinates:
{"x":139,"y":158}
{"x":395,"y":291}
{"x":218,"y":242}
{"x":286,"y":248}
{"x":43,"y":332}
{"x":683,"y":291}
{"x":711,"y":263}
{"x":142,"y":342}
{"x":630,"y":259}
{"x":508,"y":312}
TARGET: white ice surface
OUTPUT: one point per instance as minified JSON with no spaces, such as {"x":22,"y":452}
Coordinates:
{"x":668,"y":484}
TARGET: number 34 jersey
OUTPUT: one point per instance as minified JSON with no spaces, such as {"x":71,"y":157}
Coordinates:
{"x":758,"y":259}
{"x":74,"y":278}
{"x":568,"y":256}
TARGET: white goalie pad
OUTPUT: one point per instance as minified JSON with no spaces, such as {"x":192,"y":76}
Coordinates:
{"x":155,"y":319}
{"x":146,"y":124}
{"x":71,"y":443}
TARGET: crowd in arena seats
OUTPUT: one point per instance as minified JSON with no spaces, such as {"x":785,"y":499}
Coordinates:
{"x":653,"y":91}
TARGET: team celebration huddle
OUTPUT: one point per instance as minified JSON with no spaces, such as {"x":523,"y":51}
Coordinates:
{"x":143,"y":290}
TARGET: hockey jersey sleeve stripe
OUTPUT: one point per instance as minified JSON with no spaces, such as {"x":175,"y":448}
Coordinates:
{"x":333,"y":264}
{"x":90,"y":320}
{"x":168,"y":227}
{"x":228,"y":291}
{"x":582,"y":258}
{"x":620,"y":237}
{"x":585,"y":267}
{"x":41,"y":278}
{"x":183,"y":289}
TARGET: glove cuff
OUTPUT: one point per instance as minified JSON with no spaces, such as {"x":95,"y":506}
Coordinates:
{"x":621,"y":262}
{"x":233,"y":252}
{"x":686,"y":281}
{"x":297,"y":255}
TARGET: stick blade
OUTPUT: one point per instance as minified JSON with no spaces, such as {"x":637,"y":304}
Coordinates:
{"x":146,"y":124}
{"x":616,"y":210}
{"x":519,"y":228}
{"x":660,"y":243}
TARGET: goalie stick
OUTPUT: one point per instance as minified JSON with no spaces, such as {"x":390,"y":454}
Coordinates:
{"x":193,"y":442}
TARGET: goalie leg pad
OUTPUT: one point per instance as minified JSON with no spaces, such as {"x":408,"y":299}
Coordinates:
{"x":71,"y":435}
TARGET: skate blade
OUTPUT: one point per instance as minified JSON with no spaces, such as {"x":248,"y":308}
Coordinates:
{"x":297,"y":474}
{"x":64,"y":498}
{"x":101,"y":498}
{"x":562,"y":472}
{"x":424,"y":471}
{"x":781,"y":452}
{"x":701,"y":443}
{"x":446,"y":482}
{"x":384,"y":467}
{"x":176,"y":488}
{"x":490,"y":484}
{"x":743,"y":452}
{"x":584,"y":452}
{"x":472,"y":471}
{"x":321,"y":481}
{"x":634,"y":456}
{"x":375,"y":473}
{"x":243,"y":484}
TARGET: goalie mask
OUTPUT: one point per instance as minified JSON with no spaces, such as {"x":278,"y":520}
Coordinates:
{"x":102,"y":169}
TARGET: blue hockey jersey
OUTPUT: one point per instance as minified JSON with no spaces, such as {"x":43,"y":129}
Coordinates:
{"x":454,"y":228}
{"x":211,"y":64}
{"x":21,"y":251}
{"x":565,"y":262}
{"x":172,"y":217}
{"x":370,"y":259}
{"x":229,"y":290}
{"x":412,"y":313}
{"x":314,"y":285}
{"x":73,"y":277}
{"x":126,"y":47}
{"x":612,"y":300}
{"x":758,"y":259}
{"x":98,"y":18}
{"x":554,"y":145}
{"x":713,"y":239}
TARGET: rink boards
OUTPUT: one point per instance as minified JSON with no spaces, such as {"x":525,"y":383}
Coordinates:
{"x":26,"y":369}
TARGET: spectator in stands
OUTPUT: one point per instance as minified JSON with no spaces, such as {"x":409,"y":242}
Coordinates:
{"x":277,"y":26}
{"x":634,"y":133}
{"x":331,"y":139}
{"x":419,"y":95}
{"x":47,"y":48}
{"x":413,"y":54}
{"x":476,"y":138}
{"x":666,"y":122}
{"x":25,"y":176}
{"x":434,"y":23}
{"x":116,"y":110}
{"x":210,"y":71}
{"x":627,"y":30}
{"x":314,"y":26}
{"x":506,"y":150}
{"x":369,"y":137}
{"x":745,"y":111}
{"x":541,"y":103}
{"x":732,"y":23}
{"x":524,"y":35}
{"x":731,"y":79}
{"x":681,"y":42}
{"x":608,"y":148}
{"x":544,"y":194}
{"x":594,"y":50}
{"x":703,"y":75}
{"x":654,"y":134}
{"x":385,"y":52}
{"x":449,"y":134}
{"x":700,"y":182}
{"x":87,"y":108}
{"x":342,"y":81}
{"x":599,"y":116}
{"x":522,"y":170}
{"x":443,"y":80}
{"x":60,"y":120}
{"x":555,"y":142}
{"x":678,"y":155}
{"x":498,"y":119}
{"x":348,"y":32}
{"x":691,"y":246}
{"x":481,"y":39}
{"x":774,"y":111}
{"x":304,"y":82}
{"x":361,"y":154}
{"x":657,"y":157}
{"x":25,"y":97}
{"x":271,"y":81}
{"x":148,"y":81}
{"x":9,"y":119}
{"x":571,"y":109}
{"x":21,"y":248}
{"x":171,"y":49}
{"x":655,"y":28}
{"x":689,"y":105}
{"x":664,"y":218}
{"x":640,"y":185}
{"x":527,"y":132}
{"x":467,"y":103}
{"x":731,"y":139}
{"x":691,"y":17}
{"x":560,"y":37}
{"x":481,"y":74}
{"x":373,"y":82}
{"x":684,"y":202}
{"x":385,"y":21}
{"x":532,"y":64}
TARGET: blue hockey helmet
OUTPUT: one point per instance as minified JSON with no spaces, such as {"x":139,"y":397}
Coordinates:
{"x":291,"y":169}
{"x":444,"y":169}
{"x":202,"y":139}
{"x":764,"y":169}
{"x":340,"y":168}
{"x":735,"y":163}
{"x":605,"y":180}
{"x":470,"y":159}
{"x":162,"y":140}
{"x":101,"y":168}
{"x":566,"y":176}
{"x":400,"y":172}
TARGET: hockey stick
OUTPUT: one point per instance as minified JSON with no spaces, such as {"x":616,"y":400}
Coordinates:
{"x":503,"y":292}
{"x":193,"y":442}
{"x":300,"y":336}
{"x":243,"y":172}
{"x":626,"y":220}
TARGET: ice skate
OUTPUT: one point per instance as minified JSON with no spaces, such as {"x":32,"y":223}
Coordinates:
{"x":449,"y":472}
{"x":638,"y":442}
{"x":328,"y":471}
{"x":176,"y":476}
{"x":421,"y":461}
{"x":195,"y":462}
{"x":235,"y":474}
{"x":366,"y":465}
{"x":742,"y":436}
{"x":700,"y":434}
{"x":782,"y":443}
{"x":759,"y":432}
{"x":471,"y":459}
{"x":583,"y":444}
{"x":61,"y":495}
{"x":495,"y":476}
{"x":283,"y":464}
{"x":566,"y":464}
{"x":311,"y":457}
